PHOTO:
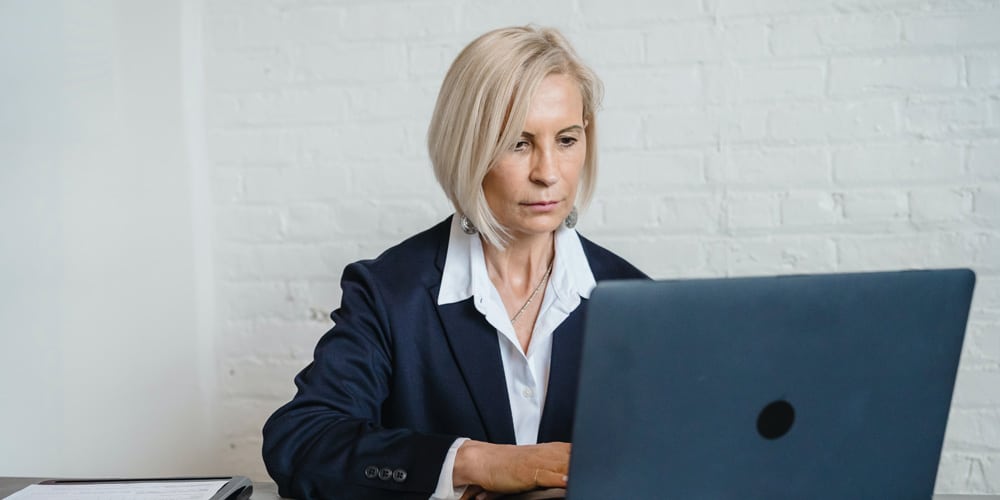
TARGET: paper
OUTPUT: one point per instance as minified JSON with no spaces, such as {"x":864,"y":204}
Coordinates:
{"x":153,"y":490}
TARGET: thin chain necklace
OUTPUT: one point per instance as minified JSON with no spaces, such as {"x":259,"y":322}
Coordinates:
{"x":533,"y":293}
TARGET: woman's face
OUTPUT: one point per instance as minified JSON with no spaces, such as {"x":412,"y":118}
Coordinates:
{"x":532,"y":186}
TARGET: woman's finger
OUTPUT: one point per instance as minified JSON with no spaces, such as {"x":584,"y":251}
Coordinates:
{"x":472,"y":493}
{"x":550,"y":479}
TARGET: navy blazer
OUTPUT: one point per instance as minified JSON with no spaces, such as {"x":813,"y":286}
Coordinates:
{"x":399,"y":378}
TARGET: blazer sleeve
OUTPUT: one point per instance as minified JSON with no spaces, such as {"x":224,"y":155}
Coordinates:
{"x":328,"y":442}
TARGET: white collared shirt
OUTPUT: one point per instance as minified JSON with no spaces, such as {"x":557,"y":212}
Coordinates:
{"x":526,"y":373}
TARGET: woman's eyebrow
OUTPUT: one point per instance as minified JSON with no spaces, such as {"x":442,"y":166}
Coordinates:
{"x":571,"y":128}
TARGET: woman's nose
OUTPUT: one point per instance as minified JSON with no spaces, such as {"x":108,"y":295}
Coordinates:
{"x":545,"y":170}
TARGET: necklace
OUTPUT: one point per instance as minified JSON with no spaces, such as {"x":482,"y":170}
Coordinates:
{"x":545,"y":278}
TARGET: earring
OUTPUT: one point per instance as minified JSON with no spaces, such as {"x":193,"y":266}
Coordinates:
{"x":570,"y":221}
{"x":467,"y":226}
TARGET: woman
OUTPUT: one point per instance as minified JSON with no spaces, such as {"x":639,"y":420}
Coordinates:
{"x":452,"y":366}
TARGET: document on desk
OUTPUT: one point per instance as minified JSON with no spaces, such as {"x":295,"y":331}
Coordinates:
{"x":151,"y":490}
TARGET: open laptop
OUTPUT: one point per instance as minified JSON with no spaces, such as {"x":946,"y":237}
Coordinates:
{"x":820,"y":387}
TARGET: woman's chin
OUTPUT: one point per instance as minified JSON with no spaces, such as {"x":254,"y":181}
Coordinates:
{"x":537,"y":226}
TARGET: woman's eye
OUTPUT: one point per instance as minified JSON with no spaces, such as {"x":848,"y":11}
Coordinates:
{"x":520,"y":145}
{"x":567,"y":141}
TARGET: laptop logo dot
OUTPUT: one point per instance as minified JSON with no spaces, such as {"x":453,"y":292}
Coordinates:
{"x":775,"y":419}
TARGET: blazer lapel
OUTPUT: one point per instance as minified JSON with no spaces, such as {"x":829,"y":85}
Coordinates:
{"x":560,"y":398}
{"x":476,"y":350}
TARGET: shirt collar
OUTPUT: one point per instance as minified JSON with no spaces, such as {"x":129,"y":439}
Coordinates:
{"x":465,"y":275}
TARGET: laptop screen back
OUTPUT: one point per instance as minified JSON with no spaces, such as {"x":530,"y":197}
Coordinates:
{"x":822,"y":386}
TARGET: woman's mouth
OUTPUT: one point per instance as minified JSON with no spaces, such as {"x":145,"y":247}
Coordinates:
{"x":541,"y":206}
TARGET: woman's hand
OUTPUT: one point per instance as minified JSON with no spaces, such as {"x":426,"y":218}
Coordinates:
{"x":503,"y":468}
{"x":477,"y":493}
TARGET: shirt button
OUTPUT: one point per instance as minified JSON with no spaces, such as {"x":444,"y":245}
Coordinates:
{"x":385,"y":473}
{"x":371,"y":472}
{"x":527,"y":392}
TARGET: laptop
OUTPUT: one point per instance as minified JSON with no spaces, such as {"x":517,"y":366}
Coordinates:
{"x":809,"y":386}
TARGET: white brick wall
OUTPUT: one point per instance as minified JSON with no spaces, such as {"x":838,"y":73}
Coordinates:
{"x":738,"y":137}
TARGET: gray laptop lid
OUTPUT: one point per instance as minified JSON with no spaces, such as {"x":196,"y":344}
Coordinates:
{"x":822,"y":386}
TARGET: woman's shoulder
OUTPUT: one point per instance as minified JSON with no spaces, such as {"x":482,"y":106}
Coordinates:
{"x":418,"y":256}
{"x":607,"y":265}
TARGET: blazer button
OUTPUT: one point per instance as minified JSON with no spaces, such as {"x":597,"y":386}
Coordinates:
{"x":385,"y":473}
{"x":371,"y":472}
{"x":399,"y":475}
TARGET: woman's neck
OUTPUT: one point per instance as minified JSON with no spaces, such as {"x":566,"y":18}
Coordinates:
{"x":522,"y":263}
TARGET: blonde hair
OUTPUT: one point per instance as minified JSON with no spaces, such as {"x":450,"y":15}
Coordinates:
{"x":481,"y":109}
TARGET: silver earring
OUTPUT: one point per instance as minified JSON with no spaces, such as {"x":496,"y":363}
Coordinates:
{"x":467,"y":226}
{"x":570,"y":221}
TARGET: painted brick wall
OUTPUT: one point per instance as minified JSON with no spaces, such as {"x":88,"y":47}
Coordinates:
{"x":738,"y":137}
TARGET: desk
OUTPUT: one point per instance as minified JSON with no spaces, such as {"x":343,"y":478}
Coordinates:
{"x":269,"y":491}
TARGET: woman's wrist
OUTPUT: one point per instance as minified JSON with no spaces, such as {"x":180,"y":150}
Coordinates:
{"x":468,"y":463}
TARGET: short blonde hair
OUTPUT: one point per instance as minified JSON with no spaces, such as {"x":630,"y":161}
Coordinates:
{"x":481,"y":109}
